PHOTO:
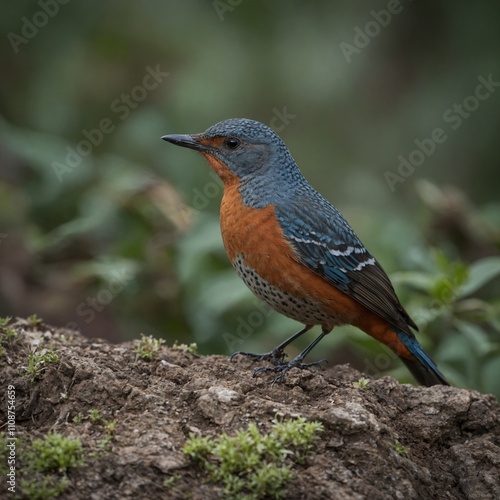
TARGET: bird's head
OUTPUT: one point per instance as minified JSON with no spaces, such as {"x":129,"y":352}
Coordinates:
{"x":238,"y":148}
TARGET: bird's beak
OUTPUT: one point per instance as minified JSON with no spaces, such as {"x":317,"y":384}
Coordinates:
{"x":186,"y":141}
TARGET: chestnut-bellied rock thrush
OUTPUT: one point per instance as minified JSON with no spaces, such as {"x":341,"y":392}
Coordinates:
{"x":296,"y":252}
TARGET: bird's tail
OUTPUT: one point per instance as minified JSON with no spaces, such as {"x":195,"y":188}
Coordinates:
{"x":421,"y":367}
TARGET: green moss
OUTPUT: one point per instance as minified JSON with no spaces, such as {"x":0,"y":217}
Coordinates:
{"x":56,"y":453}
{"x":191,"y":348}
{"x":94,"y":415}
{"x":8,"y":336}
{"x":34,"y":320}
{"x":251,"y":463}
{"x":399,"y":448}
{"x":5,"y":321}
{"x":109,"y":427}
{"x":148,"y":347}
{"x":45,"y":463}
{"x":78,"y":418}
{"x":37,"y":362}
{"x":362,"y":383}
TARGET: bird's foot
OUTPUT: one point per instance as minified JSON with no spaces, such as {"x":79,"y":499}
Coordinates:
{"x":284,"y":368}
{"x":275,"y":357}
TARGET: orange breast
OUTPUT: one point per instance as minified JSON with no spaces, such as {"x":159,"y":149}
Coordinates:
{"x":256,"y":235}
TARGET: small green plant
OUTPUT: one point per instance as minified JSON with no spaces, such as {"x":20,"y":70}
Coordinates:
{"x":94,"y":415}
{"x":103,"y":445}
{"x":148,"y":347}
{"x":191,"y":348}
{"x":8,"y":335}
{"x":172,"y":484}
{"x":251,"y":463}
{"x":362,"y":383}
{"x":109,"y":426}
{"x":37,"y":362}
{"x":5,"y":321}
{"x":45,"y":462}
{"x":34,"y":320}
{"x":78,"y":418}
{"x":170,"y":481}
{"x":55,"y":453}
{"x":399,"y":448}
{"x":44,"y":459}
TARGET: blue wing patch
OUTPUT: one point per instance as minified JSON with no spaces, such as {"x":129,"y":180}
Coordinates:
{"x":326,"y":244}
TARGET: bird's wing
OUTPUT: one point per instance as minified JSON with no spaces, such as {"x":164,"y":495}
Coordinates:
{"x":327,"y":245}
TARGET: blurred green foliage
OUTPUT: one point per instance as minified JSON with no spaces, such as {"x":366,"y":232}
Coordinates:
{"x":121,"y":236}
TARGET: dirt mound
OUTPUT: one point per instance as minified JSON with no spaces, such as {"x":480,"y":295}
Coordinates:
{"x":133,"y":415}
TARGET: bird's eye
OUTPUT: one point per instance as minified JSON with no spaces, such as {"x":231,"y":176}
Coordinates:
{"x":232,"y":143}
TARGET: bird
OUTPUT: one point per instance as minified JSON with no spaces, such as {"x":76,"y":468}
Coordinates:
{"x":296,"y":252}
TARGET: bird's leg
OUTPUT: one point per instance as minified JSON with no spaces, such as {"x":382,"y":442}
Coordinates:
{"x":296,"y":362}
{"x":277,"y":355}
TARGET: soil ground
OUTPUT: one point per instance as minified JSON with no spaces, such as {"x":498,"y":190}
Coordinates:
{"x":383,"y":440}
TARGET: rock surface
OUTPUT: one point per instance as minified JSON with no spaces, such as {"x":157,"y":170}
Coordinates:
{"x":381,"y":441}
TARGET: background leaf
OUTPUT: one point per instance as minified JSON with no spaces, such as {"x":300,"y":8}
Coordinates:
{"x":480,"y":273}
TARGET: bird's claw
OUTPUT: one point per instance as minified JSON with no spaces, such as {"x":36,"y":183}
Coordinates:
{"x":284,"y":368}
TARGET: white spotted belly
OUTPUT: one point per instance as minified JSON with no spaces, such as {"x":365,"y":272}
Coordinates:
{"x":305,"y":311}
